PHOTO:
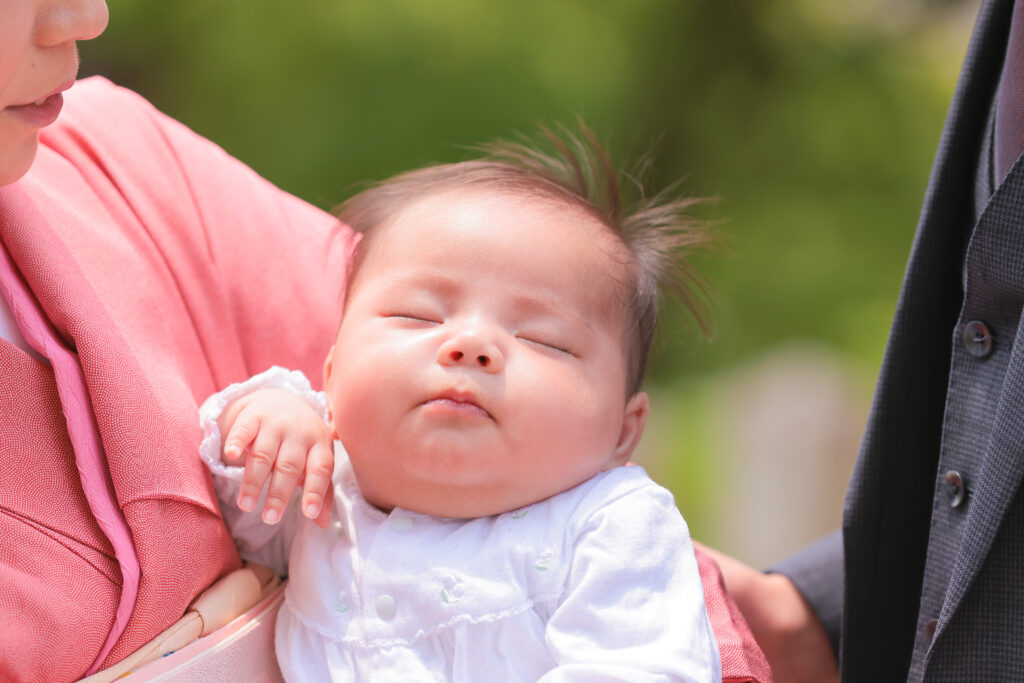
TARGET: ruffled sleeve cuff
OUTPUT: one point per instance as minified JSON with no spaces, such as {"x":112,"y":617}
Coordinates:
{"x":266,"y":544}
{"x":274,"y":378}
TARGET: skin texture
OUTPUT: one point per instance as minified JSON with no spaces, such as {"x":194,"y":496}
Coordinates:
{"x":480,"y":366}
{"x":38,"y":57}
{"x":280,"y":437}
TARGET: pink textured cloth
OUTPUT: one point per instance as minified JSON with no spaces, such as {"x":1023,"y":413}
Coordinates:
{"x":90,"y":459}
{"x":171,"y":270}
{"x":742,"y":658}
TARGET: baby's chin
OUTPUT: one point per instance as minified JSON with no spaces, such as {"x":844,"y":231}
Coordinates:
{"x":446,"y":507}
{"x":449,"y":483}
{"x":449,"y":502}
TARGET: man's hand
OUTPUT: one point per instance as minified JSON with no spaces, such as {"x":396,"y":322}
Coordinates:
{"x":787,"y":629}
{"x":284,"y":439}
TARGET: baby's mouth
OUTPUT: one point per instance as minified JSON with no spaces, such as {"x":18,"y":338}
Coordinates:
{"x":457,"y":403}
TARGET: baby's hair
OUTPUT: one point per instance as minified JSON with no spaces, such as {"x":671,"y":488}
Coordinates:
{"x":575,"y":169}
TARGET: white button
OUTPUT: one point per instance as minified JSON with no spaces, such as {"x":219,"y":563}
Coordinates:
{"x":400,"y":523}
{"x":386,"y":607}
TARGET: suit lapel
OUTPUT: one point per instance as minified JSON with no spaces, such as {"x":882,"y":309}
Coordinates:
{"x":889,"y":505}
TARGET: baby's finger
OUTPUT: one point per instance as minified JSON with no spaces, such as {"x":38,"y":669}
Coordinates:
{"x":291,"y":460}
{"x":319,"y":470}
{"x":241,"y":434}
{"x":258,"y":465}
{"x":324,"y":517}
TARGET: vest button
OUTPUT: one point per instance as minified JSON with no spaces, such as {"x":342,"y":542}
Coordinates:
{"x":977,"y":339}
{"x":953,"y":484}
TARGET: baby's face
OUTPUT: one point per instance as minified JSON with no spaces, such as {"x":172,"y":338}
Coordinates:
{"x":480,"y":365}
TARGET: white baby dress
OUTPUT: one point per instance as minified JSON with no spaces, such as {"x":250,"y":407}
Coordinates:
{"x":598,"y":583}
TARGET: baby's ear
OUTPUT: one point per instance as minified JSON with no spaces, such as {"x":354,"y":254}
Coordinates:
{"x":633,"y":422}
{"x":328,"y":367}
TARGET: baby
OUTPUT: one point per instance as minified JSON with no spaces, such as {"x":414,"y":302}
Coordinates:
{"x":476,"y":522}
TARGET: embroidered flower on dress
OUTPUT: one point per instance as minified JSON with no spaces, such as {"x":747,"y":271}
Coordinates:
{"x":543,"y":562}
{"x":341,"y":603}
{"x":452,"y":590}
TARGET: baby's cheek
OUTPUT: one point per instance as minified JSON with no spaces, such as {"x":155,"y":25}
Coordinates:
{"x":590,"y":418}
{"x":348,"y":403}
{"x":351,"y":423}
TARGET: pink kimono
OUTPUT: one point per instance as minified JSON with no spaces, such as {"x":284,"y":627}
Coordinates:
{"x":173,"y":270}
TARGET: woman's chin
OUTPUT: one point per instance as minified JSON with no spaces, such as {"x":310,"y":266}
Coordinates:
{"x":16,"y":158}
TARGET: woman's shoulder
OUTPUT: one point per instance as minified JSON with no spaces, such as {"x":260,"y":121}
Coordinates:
{"x":95,"y":93}
{"x":109,"y":124}
{"x":121,"y":144}
{"x":99,"y":113}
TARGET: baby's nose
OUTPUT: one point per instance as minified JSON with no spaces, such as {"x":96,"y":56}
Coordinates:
{"x":471,"y":349}
{"x":483,"y":359}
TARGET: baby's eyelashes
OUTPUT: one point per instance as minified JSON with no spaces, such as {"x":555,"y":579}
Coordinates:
{"x":545,"y":341}
{"x":415,"y":317}
{"x":547,"y":344}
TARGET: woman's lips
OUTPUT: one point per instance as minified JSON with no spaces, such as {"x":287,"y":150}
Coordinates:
{"x":39,"y":114}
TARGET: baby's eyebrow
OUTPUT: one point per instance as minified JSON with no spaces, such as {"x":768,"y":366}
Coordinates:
{"x":435,"y":282}
{"x":542,"y":304}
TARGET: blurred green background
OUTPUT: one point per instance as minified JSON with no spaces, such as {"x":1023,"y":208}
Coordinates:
{"x":813,"y":122}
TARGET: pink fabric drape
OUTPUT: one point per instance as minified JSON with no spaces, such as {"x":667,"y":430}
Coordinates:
{"x":170,"y":270}
{"x":81,"y":424}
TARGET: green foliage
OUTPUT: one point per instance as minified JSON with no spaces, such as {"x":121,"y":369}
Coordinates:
{"x":814,"y":130}
{"x":814,"y":122}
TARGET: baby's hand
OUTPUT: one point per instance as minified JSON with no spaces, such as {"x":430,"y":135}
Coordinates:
{"x":285,"y":440}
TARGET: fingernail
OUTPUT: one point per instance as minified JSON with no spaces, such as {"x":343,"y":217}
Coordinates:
{"x":247,"y":503}
{"x":312,"y":510}
{"x":270,"y":516}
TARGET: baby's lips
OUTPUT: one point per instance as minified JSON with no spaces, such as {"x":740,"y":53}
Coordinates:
{"x":459,"y":401}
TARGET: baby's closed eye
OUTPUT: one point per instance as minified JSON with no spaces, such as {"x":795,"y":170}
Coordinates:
{"x":546,"y":342}
{"x":415,"y":317}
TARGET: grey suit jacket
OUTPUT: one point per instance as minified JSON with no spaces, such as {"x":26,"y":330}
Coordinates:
{"x":895,"y":495}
